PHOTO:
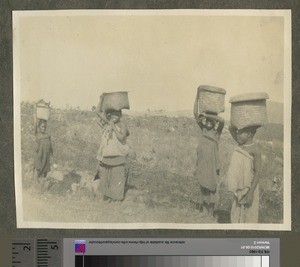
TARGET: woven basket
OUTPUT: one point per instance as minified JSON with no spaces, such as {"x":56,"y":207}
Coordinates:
{"x":114,"y":101}
{"x":249,"y":110}
{"x":211,"y":99}
{"x":42,"y":111}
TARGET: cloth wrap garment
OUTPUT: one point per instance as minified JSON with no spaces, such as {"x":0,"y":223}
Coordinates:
{"x":207,"y":167}
{"x":112,"y":164}
{"x":42,"y":157}
{"x":239,"y":177}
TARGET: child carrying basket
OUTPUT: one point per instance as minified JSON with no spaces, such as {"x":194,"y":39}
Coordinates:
{"x":113,"y":149}
{"x":209,"y":102}
{"x":44,"y":150}
{"x":248,"y":113}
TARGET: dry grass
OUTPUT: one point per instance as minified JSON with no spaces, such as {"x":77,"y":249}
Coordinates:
{"x":161,"y":179}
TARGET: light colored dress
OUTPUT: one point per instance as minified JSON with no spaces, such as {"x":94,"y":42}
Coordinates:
{"x":110,"y":145}
{"x":240,"y":175}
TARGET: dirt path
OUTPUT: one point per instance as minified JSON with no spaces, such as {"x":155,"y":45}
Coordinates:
{"x":52,"y":208}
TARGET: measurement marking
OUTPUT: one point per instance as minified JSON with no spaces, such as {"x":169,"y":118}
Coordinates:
{"x":21,"y":244}
{"x":16,"y":262}
{"x":47,"y":242}
{"x":15,"y":253}
{"x":42,"y":240}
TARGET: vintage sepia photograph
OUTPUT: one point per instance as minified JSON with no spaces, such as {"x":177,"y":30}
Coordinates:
{"x":152,"y":119}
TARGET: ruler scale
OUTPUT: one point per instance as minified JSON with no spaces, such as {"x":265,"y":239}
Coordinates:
{"x":23,"y":253}
{"x":37,"y":253}
{"x":48,"y":253}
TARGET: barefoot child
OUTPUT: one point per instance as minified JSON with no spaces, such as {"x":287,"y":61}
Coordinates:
{"x":112,"y":155}
{"x":43,"y":152}
{"x":248,"y":113}
{"x":242,"y":176}
{"x":207,"y":166}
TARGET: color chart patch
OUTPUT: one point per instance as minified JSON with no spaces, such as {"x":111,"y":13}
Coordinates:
{"x":80,"y":246}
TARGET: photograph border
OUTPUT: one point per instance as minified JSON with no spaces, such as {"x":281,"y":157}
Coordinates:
{"x":286,"y":225}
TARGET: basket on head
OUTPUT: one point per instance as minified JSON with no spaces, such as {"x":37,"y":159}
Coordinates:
{"x":211,"y":99}
{"x":114,"y":101}
{"x":249,"y":110}
{"x":42,"y":110}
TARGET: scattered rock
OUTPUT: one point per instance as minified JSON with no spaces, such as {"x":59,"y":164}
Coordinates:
{"x":56,"y":175}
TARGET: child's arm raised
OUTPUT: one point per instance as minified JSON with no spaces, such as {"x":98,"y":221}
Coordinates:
{"x":51,"y":147}
{"x":257,"y":164}
{"x":102,"y":119}
{"x":220,"y":126}
{"x":35,"y":125}
{"x":122,"y":133}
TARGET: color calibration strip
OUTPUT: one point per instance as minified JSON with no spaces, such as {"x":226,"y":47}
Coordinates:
{"x":171,"y":261}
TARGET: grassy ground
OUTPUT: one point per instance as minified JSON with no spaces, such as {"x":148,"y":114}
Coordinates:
{"x":161,"y":183}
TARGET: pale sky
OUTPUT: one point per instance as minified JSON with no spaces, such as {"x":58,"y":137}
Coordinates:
{"x":160,"y":60}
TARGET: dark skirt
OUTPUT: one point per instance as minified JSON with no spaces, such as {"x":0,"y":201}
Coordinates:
{"x":113,"y":180}
{"x":42,"y":157}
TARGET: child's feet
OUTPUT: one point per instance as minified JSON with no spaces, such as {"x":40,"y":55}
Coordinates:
{"x":203,"y":212}
{"x":200,"y":207}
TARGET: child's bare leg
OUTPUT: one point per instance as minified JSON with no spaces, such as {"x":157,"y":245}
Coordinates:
{"x":35,"y":175}
{"x":211,"y":208}
{"x":205,"y":208}
{"x":200,"y":207}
